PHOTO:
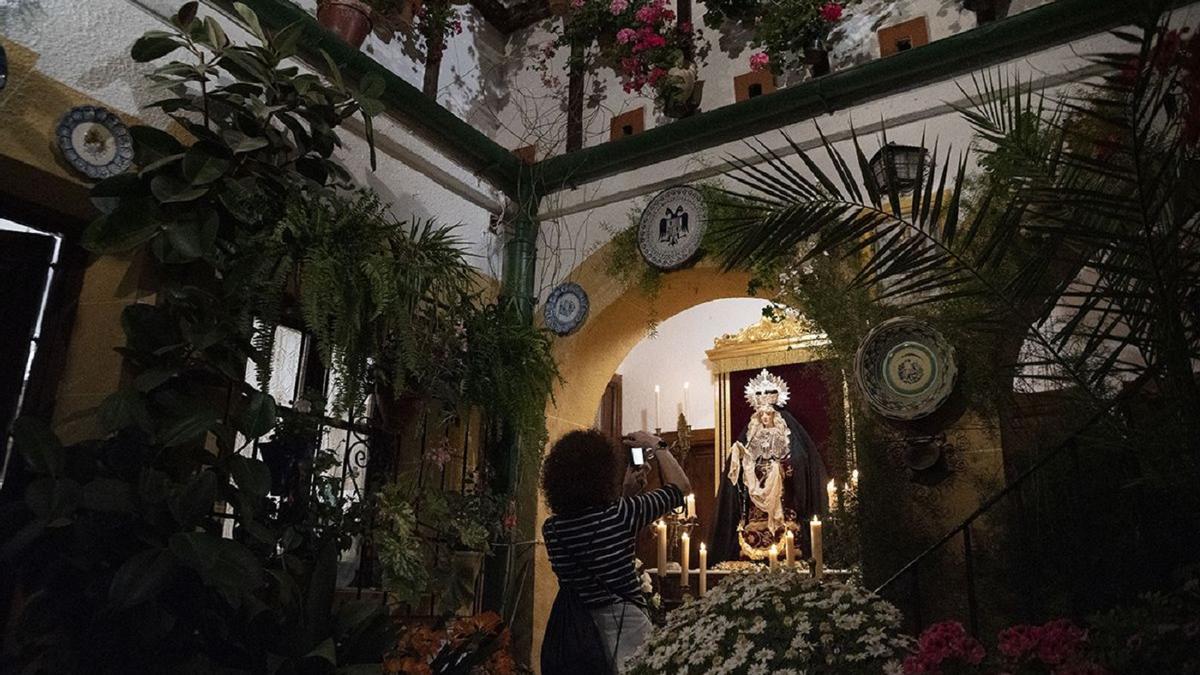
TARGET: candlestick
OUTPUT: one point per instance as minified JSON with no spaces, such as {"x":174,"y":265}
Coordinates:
{"x":684,"y":553}
{"x":657,"y":407}
{"x":789,"y":547}
{"x":686,"y":385}
{"x":662,"y":548}
{"x":818,"y":553}
{"x":773,"y":556}
{"x":831,"y":489}
{"x":703,"y":569}
{"x":690,"y":501}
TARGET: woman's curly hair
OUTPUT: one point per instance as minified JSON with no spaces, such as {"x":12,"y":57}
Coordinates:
{"x":580,"y":472}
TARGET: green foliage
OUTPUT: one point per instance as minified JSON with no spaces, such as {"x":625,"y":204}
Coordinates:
{"x":380,"y":296}
{"x":784,"y":29}
{"x":116,"y":545}
{"x":1156,"y":634}
{"x":421,"y":529}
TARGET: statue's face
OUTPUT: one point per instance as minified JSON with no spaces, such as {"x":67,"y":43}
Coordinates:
{"x":765,"y":400}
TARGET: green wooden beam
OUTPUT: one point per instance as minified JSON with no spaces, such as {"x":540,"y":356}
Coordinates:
{"x":442,"y":128}
{"x":1031,"y":31}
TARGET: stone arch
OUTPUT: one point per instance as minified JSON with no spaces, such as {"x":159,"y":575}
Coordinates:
{"x":618,"y":320}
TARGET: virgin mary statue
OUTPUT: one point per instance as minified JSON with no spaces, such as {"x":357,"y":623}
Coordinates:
{"x":772,"y":479}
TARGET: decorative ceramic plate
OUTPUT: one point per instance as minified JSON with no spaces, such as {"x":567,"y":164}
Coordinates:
{"x":905,"y":368}
{"x":95,"y":141}
{"x":566,"y":308}
{"x":672,"y":227}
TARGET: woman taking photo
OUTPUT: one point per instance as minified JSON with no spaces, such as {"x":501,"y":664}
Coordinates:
{"x":598,"y":505}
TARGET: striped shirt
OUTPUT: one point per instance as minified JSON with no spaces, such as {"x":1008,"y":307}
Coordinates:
{"x":592,"y":552}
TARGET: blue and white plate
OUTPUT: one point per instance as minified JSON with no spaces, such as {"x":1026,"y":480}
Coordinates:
{"x":672,"y":227}
{"x":566,"y":309}
{"x":95,"y":141}
{"x":906,"y":369}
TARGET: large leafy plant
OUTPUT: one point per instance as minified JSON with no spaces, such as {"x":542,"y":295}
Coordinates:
{"x":1078,"y":246}
{"x":117,"y":546}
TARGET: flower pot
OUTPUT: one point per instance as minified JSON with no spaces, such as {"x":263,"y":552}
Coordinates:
{"x":467,"y":565}
{"x":987,"y":11}
{"x":350,"y":20}
{"x":684,"y":105}
{"x":817,"y":59}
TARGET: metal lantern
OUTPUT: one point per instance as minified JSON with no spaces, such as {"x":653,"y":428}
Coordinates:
{"x":904,"y":164}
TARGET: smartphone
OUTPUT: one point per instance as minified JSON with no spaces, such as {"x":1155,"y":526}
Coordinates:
{"x":637,"y":457}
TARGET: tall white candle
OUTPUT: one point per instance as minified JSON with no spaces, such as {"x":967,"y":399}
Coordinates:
{"x":831,"y":490}
{"x":662,"y":548}
{"x":789,"y":547}
{"x":773,"y":556}
{"x":818,"y":554}
{"x":703,"y":569}
{"x":685,"y":552}
{"x":690,"y":501}
{"x":686,"y":385}
{"x":657,"y":407}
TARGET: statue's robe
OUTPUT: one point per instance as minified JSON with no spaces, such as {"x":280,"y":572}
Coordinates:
{"x":804,"y":493}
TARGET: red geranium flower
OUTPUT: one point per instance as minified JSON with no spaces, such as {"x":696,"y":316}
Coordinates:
{"x":832,"y":11}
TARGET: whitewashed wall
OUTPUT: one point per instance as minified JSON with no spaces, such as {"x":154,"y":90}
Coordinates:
{"x":86,"y":47}
{"x":673,"y":355}
{"x":728,"y":54}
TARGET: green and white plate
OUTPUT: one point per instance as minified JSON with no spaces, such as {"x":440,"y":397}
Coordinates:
{"x":906,"y":369}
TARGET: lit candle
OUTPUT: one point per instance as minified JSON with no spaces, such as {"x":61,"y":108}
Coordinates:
{"x":657,"y":407}
{"x":686,"y":385}
{"x":685,"y":553}
{"x":789,"y":547}
{"x":773,"y":556}
{"x":831,"y":489}
{"x":662,"y":548}
{"x":854,"y":479}
{"x":818,"y":555}
{"x":703,"y":569}
{"x":691,"y":506}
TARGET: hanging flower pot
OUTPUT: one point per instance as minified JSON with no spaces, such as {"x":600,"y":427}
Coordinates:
{"x":987,"y":11}
{"x":350,"y":20}
{"x":816,"y":57}
{"x":683,"y":100}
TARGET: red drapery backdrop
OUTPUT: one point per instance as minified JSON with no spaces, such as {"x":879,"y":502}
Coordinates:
{"x":816,"y":397}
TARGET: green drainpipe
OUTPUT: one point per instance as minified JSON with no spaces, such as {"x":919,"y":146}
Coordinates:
{"x":517,"y":286}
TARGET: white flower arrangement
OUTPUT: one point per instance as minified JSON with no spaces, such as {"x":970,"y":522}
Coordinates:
{"x":763,"y":621}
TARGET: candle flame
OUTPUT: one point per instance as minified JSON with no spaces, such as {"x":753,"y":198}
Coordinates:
{"x":816,"y":520}
{"x":774,"y":549}
{"x":686,"y":385}
{"x":831,"y":486}
{"x":788,"y":534}
{"x":703,"y":548}
{"x":657,"y":389}
{"x":854,"y":477}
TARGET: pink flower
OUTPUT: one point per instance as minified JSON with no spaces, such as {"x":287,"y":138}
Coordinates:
{"x":831,"y":11}
{"x":760,"y":61}
{"x":577,"y":3}
{"x":626,"y":35}
{"x":618,"y":6}
{"x":655,"y":75}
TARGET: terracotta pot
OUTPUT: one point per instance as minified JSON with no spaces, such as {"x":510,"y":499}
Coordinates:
{"x":350,"y":20}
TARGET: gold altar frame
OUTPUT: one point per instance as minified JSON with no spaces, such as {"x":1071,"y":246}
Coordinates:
{"x":770,"y":342}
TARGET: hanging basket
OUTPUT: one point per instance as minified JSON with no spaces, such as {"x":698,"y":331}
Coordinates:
{"x":987,"y":11}
{"x":350,"y":20}
{"x":678,"y":107}
{"x":816,"y":58}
